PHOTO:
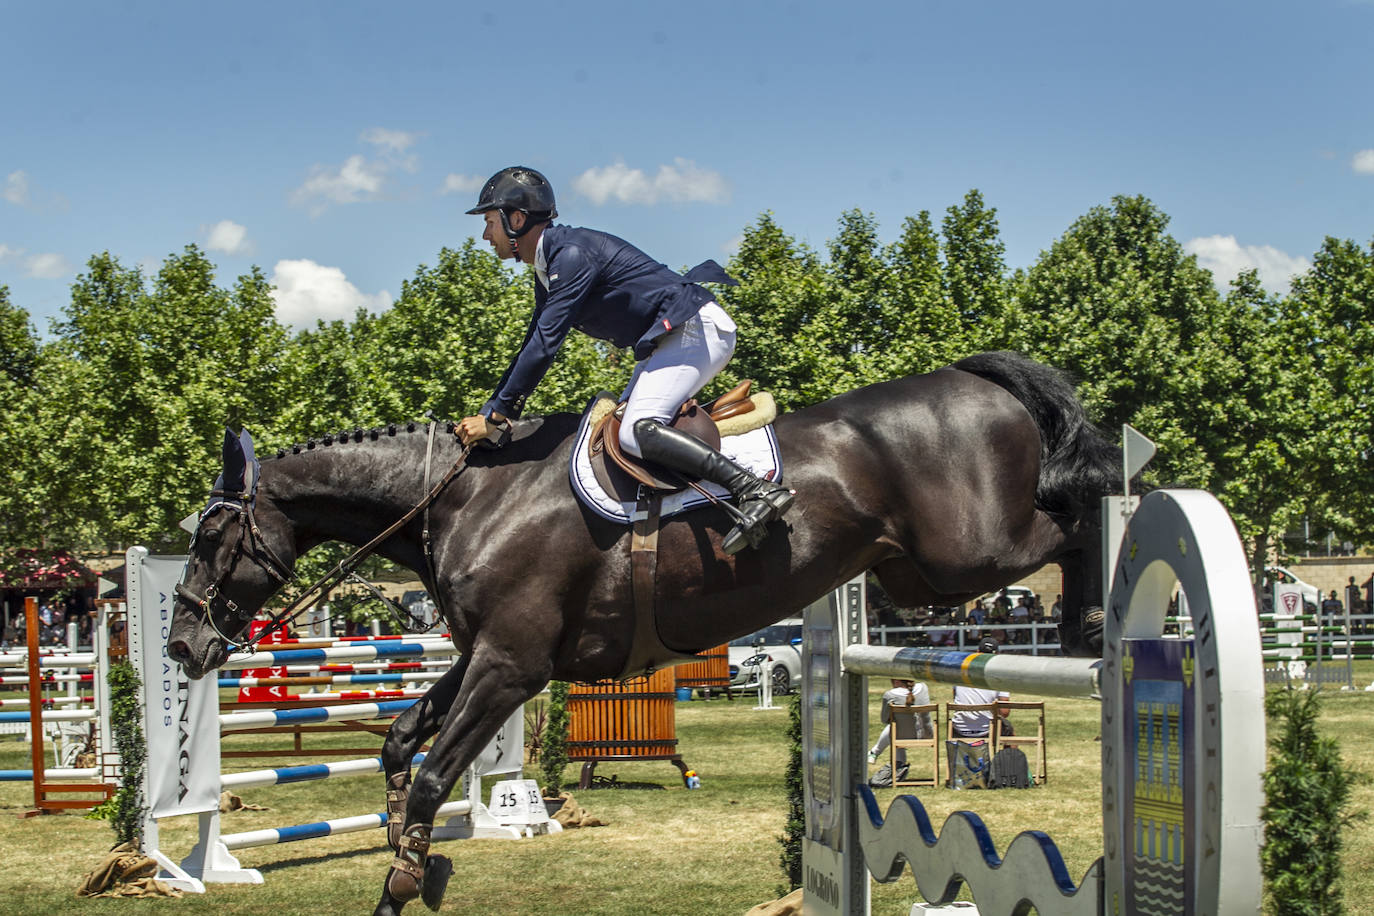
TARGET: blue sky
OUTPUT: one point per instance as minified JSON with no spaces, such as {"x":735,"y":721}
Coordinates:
{"x":336,"y":145}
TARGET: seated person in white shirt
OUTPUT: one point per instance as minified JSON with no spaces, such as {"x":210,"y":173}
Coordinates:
{"x":977,"y":723}
{"x":903,"y":693}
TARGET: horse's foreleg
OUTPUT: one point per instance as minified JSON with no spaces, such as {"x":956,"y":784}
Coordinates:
{"x":494,"y":686}
{"x":408,"y":732}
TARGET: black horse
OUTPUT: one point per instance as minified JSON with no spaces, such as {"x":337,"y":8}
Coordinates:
{"x":946,"y":485}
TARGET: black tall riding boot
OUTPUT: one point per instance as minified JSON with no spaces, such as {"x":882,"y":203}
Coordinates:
{"x":760,"y":501}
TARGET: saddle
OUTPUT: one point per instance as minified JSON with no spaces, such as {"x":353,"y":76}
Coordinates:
{"x":631,"y":480}
{"x":622,"y":475}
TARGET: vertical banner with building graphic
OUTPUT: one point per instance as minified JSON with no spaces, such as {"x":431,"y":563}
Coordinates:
{"x":1159,"y":712}
{"x":180,"y":716}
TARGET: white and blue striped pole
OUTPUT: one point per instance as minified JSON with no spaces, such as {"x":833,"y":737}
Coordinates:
{"x":268,"y":718}
{"x":402,"y":677}
{"x":364,"y":653}
{"x":55,"y":773}
{"x":52,"y":715}
{"x":249,"y":779}
{"x":273,"y":835}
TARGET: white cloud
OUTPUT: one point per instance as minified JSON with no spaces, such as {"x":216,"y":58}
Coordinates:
{"x":46,"y":266}
{"x":360,"y":178}
{"x":6,"y":252}
{"x":681,"y":182}
{"x":17,"y":188}
{"x":306,"y":292}
{"x":393,"y":141}
{"x":1363,"y":162}
{"x":1226,"y":258}
{"x":356,"y":180}
{"x":464,"y":184}
{"x":229,"y":237}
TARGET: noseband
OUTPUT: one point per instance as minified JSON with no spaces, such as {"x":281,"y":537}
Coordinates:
{"x":265,"y":557}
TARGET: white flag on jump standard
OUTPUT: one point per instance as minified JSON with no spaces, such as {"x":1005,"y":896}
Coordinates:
{"x":181,"y":716}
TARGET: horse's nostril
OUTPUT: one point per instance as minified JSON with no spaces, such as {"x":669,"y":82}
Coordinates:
{"x":178,"y":651}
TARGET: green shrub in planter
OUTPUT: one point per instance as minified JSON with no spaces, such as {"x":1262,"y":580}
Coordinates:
{"x":795,"y":828}
{"x":1307,"y":793}
{"x":553,"y":749}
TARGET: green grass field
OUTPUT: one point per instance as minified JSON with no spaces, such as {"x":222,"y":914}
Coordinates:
{"x":666,"y":851}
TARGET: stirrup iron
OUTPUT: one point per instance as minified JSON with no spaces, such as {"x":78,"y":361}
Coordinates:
{"x":755,"y":514}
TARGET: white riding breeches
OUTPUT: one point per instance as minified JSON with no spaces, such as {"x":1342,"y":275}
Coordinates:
{"x":684,"y":361}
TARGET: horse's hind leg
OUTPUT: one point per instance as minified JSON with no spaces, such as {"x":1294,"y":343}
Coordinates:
{"x":1080,"y":629}
{"x":495,"y":685}
{"x":408,"y":732}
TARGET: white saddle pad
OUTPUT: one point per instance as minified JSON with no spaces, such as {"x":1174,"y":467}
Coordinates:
{"x":756,"y":450}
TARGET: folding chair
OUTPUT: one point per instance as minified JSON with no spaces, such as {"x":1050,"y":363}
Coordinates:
{"x":915,"y":727}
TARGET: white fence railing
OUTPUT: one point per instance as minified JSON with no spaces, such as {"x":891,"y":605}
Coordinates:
{"x":1038,"y":637}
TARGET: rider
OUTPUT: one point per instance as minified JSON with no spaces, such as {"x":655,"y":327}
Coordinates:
{"x":612,"y":290}
{"x":608,"y":289}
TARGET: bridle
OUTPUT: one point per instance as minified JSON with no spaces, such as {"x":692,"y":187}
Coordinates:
{"x":260,"y":552}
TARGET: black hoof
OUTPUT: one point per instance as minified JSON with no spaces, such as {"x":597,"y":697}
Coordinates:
{"x":437,"y":872}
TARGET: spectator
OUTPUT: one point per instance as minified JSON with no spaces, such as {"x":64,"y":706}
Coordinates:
{"x":977,"y":614}
{"x":903,"y":693}
{"x":1332,"y":608}
{"x":1002,"y":605}
{"x":1057,"y":609}
{"x":973,"y":723}
{"x":1355,"y":602}
{"x":942,"y":637}
{"x":1021,"y":615}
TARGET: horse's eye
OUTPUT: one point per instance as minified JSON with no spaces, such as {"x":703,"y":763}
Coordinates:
{"x":211,"y":536}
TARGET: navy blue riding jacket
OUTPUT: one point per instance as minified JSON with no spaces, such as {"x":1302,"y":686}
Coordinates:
{"x":606,"y":288}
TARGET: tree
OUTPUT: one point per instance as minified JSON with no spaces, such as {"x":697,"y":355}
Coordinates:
{"x":1252,"y":414}
{"x":21,"y":494}
{"x":332,"y":381}
{"x":1119,"y":305}
{"x":782,"y":290}
{"x":1333,"y":311}
{"x":922,"y":326}
{"x":847,"y":335}
{"x":975,"y":270}
{"x":148,"y":376}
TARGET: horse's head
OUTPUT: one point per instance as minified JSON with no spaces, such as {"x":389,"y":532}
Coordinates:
{"x":241,"y":552}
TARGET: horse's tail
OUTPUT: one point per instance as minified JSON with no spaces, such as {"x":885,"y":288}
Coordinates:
{"x":1078,"y":464}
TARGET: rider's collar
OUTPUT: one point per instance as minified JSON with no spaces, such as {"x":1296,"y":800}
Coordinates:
{"x":541,"y":263}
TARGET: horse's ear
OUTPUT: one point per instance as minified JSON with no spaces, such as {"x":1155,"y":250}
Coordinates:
{"x":250,"y":462}
{"x":235,"y":463}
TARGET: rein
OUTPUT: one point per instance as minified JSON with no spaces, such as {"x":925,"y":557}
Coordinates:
{"x":327,"y":582}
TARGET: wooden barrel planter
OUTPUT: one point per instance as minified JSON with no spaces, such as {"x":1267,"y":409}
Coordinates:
{"x":711,"y":673}
{"x":623,"y":720}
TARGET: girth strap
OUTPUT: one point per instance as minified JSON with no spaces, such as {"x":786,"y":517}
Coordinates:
{"x":647,"y":652}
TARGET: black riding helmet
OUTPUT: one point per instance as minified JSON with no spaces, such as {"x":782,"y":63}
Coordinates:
{"x":517,"y":188}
